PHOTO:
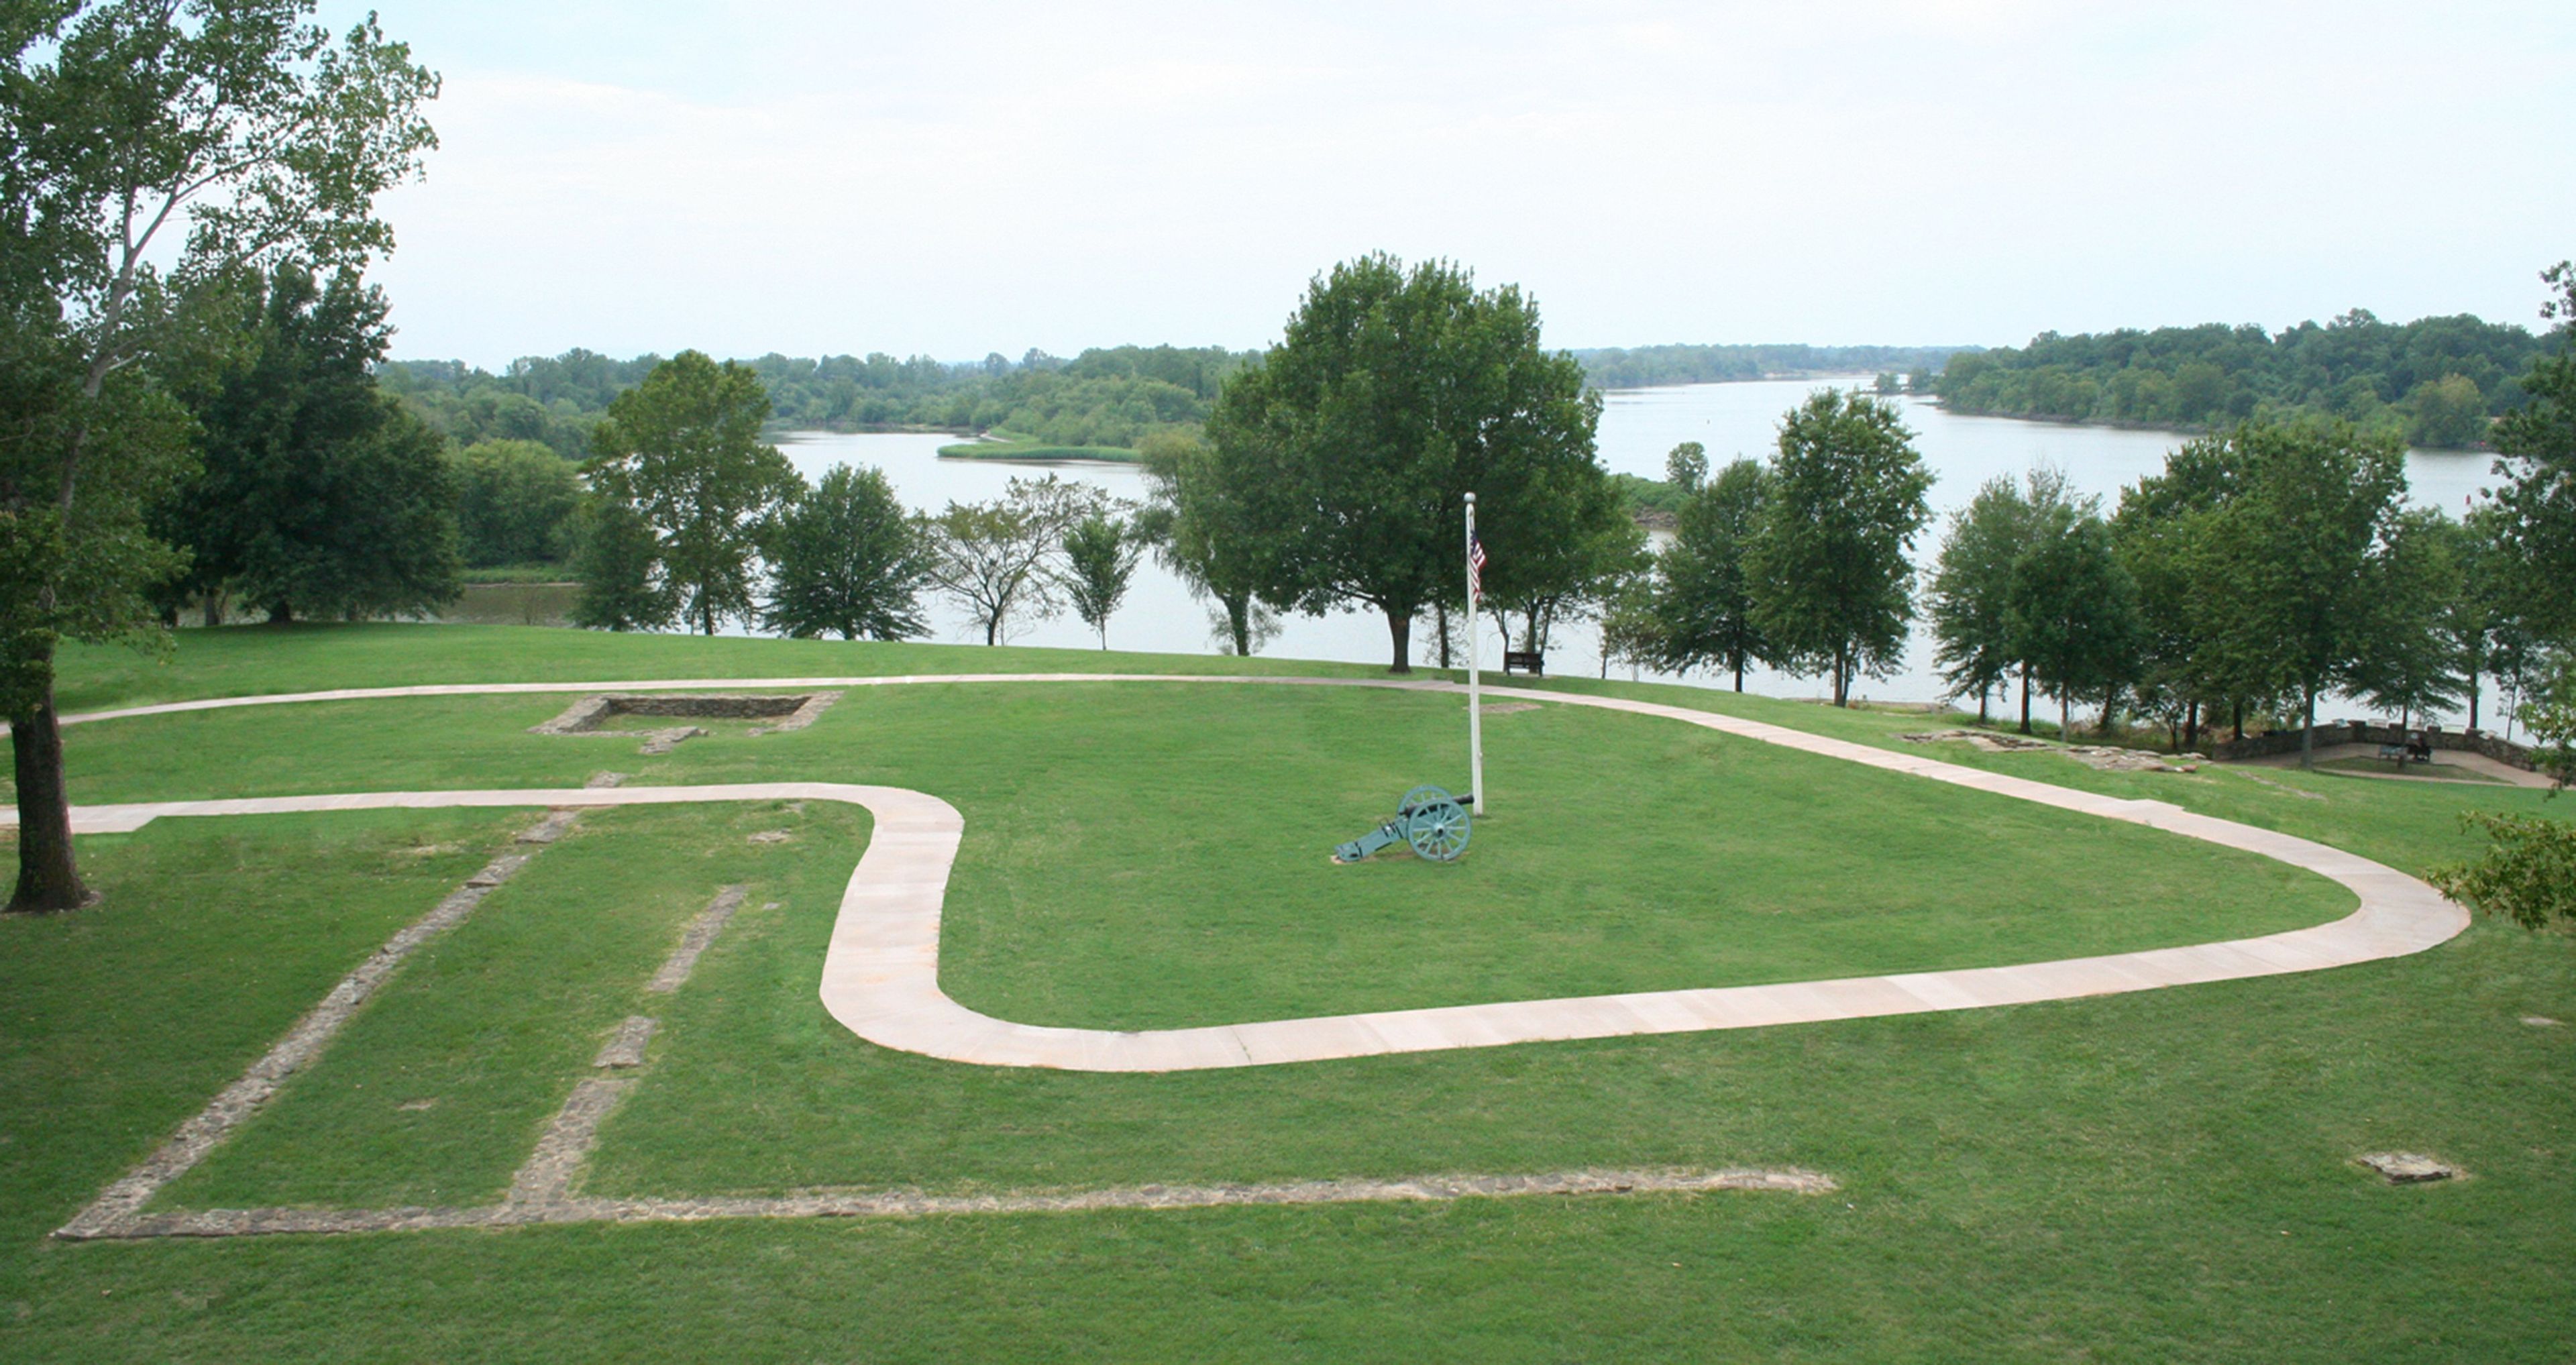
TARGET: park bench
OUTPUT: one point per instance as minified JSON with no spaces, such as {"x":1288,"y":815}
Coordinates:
{"x":2413,"y":748}
{"x":1528,"y":661}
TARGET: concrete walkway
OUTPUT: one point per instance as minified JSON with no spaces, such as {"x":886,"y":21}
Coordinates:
{"x":881,"y":972}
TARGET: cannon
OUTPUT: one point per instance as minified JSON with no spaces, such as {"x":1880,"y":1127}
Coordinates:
{"x":1429,"y":819}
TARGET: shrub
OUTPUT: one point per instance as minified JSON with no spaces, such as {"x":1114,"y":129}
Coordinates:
{"x":2528,"y":873}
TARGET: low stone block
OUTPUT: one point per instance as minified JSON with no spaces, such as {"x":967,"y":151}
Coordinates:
{"x":2407,"y":1168}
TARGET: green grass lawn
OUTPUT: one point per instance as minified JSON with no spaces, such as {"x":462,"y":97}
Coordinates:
{"x":2161,"y":1176}
{"x":1145,"y":856}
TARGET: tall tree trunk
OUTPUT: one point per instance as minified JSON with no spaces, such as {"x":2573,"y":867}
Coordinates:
{"x":2025,"y":699}
{"x":2473,"y":698}
{"x":2308,"y":730}
{"x":2240,"y":718}
{"x":1440,"y":622}
{"x":48,"y":878}
{"x":1739,"y":672}
{"x":281,"y":613}
{"x":1399,"y":629}
{"x":2191,"y":727}
{"x":1984,"y":693}
{"x":1842,"y":680}
{"x":2065,"y":715}
{"x":1238,"y":619}
{"x":48,"y":874}
{"x":993,"y":629}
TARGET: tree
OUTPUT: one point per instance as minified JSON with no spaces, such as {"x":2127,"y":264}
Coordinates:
{"x":1631,"y":623}
{"x":992,"y":558}
{"x":157,"y":149}
{"x":1701,"y":600}
{"x":2536,"y":452}
{"x":1100,"y":554}
{"x":2163,"y":532}
{"x":2447,"y":412}
{"x":2410,"y":663}
{"x":80,"y":568}
{"x":2072,"y":613}
{"x":316,"y":495}
{"x":1831,"y":586}
{"x":2551,"y":714}
{"x":618,"y":559}
{"x":1200,"y":531}
{"x":1391,"y":394}
{"x":846,"y":559}
{"x":514,"y":504}
{"x":1686,"y":466}
{"x":1569,"y":543}
{"x":1971,"y":589}
{"x":2483,"y":620}
{"x":683,"y":449}
{"x":2302,"y":541}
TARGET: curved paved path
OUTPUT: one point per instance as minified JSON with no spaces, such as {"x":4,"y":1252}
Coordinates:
{"x":881,"y":973}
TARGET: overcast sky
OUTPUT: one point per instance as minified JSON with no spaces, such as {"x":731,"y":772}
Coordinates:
{"x":954,"y":178}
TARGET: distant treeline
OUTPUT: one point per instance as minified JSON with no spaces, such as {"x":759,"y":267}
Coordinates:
{"x":1639,"y":367}
{"x":1109,"y":396}
{"x":2434,"y":381}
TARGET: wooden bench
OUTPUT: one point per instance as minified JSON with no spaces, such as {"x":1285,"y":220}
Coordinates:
{"x":2411,"y":749}
{"x":1528,"y":661}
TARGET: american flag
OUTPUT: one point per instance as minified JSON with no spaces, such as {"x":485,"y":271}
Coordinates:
{"x":1476,"y":567}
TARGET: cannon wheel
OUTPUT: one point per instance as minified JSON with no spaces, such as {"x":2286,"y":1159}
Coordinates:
{"x":1438,"y":830}
{"x":1423,"y":796}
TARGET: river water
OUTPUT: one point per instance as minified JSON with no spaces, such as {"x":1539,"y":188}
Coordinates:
{"x":1638,"y":427}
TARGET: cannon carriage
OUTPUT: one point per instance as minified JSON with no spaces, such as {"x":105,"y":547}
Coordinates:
{"x":1428,"y":820}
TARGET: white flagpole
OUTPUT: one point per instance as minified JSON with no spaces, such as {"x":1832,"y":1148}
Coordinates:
{"x":1475,"y":697}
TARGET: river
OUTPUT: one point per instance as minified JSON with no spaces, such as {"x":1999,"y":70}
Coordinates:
{"x":1638,"y":427}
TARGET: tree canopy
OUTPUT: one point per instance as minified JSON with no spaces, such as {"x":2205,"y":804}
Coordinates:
{"x":1702,"y":608}
{"x":997,"y":559}
{"x":1199,"y":530}
{"x":158,"y":150}
{"x":2284,"y":540}
{"x":2536,"y":455}
{"x":1971,"y":590}
{"x":2434,"y":381}
{"x":2072,"y":613}
{"x":1107,"y":396}
{"x":683,"y":449}
{"x":1832,"y":586}
{"x":1394,"y":392}
{"x":514,"y":504}
{"x":846,"y":559}
{"x":316,"y":495}
{"x":1100,"y":554}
